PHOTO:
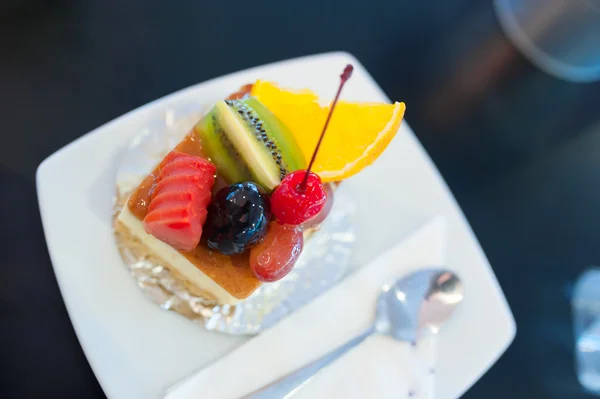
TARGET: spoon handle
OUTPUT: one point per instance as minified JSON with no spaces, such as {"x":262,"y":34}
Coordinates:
{"x":287,"y":385}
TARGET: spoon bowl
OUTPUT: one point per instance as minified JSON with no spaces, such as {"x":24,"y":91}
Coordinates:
{"x":417,"y":304}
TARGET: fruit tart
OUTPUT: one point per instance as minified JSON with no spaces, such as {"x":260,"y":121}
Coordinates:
{"x":229,"y":208}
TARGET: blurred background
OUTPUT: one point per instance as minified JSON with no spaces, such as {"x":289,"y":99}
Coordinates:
{"x":518,"y":146}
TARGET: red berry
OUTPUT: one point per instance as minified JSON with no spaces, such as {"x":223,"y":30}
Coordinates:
{"x":274,"y":257}
{"x":294,"y":203}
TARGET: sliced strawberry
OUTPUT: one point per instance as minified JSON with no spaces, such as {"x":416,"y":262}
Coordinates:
{"x":180,"y":227}
{"x":169,"y":215}
{"x":174,"y":217}
{"x":197,"y":180}
{"x":197,"y":192}
{"x":170,"y":199}
{"x":176,"y":233}
{"x":187,"y":162}
{"x":171,"y":156}
{"x":164,"y":204}
{"x":185,"y":170}
{"x":178,"y":206}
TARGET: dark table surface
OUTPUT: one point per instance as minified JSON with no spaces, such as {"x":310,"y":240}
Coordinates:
{"x":518,"y":148}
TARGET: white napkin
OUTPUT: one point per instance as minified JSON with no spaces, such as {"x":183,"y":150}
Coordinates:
{"x":380,"y":367}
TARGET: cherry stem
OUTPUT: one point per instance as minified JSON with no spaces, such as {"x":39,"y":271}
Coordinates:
{"x":343,"y":79}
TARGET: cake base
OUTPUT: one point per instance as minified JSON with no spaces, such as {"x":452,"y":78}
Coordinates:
{"x":130,"y":234}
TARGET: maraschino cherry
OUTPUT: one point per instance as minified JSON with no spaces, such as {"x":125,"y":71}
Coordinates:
{"x":301,"y":196}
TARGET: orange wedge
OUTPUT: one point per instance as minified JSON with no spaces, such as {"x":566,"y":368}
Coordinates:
{"x":357,"y":134}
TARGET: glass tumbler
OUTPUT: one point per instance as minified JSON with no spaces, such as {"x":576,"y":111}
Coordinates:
{"x":561,"y":37}
{"x":586,"y":322}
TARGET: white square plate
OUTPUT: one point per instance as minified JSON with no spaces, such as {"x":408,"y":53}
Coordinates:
{"x":138,"y":350}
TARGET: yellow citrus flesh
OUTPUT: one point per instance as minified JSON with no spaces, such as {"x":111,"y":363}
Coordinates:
{"x":357,"y":134}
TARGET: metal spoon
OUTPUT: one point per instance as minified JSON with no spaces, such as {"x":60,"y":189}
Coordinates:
{"x":417,"y":303}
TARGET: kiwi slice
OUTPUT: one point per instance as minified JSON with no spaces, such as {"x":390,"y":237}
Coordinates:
{"x":220,"y":150}
{"x":248,"y":142}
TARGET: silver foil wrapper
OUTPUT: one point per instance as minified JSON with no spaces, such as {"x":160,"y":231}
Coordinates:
{"x":324,"y":261}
